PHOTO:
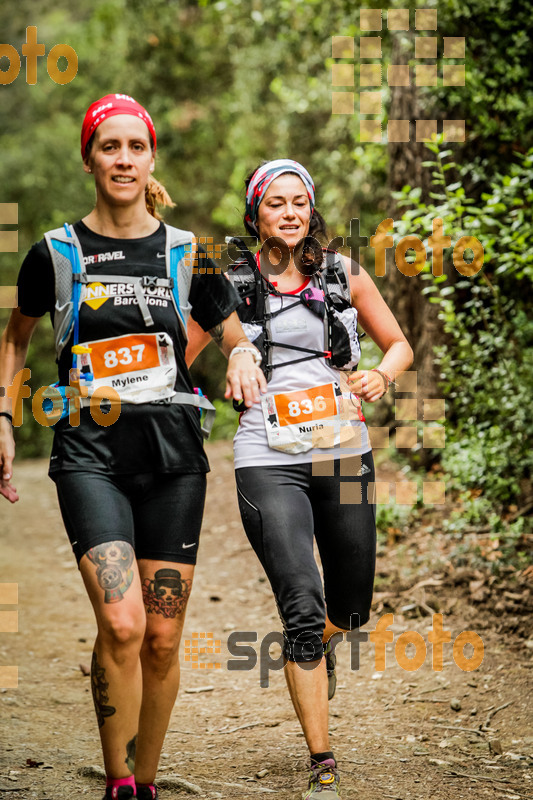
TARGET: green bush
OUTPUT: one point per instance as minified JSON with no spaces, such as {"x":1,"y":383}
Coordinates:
{"x":486,"y":363}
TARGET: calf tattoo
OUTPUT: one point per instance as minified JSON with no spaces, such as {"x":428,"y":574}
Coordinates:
{"x":131,"y":747}
{"x":99,"y":687}
{"x":113,"y":562}
{"x":167,"y":593}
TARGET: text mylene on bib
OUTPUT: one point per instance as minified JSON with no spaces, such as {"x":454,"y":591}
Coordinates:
{"x":141,"y":367}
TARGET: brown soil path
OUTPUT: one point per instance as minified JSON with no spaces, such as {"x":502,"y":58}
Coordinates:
{"x":395,"y":733}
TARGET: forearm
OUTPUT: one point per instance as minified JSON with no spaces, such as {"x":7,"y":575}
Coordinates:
{"x":12,"y":359}
{"x":396,"y":359}
{"x":229,"y":334}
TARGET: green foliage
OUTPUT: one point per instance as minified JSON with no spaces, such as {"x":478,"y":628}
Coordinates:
{"x":486,"y":362}
{"x":226,"y":421}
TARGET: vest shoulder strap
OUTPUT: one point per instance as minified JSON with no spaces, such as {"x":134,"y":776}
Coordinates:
{"x":67,"y":260}
{"x":336,"y":276}
{"x":179,"y":264}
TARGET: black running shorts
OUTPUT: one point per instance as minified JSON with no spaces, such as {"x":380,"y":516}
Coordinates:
{"x":159,"y":514}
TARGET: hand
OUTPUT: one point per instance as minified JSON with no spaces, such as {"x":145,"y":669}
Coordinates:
{"x":368,"y":384}
{"x":7,"y":454}
{"x":244,"y":379}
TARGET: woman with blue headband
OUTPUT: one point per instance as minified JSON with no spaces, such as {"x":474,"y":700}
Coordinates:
{"x":303,"y":459}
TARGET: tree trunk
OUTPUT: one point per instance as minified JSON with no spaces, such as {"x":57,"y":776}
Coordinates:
{"x":417,"y":317}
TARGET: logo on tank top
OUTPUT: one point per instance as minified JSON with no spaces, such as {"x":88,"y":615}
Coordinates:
{"x":99,"y":258}
{"x":95,"y":295}
{"x":287,"y":325}
{"x":123,"y":294}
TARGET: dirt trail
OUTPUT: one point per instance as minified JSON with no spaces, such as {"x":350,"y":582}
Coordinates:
{"x":395,"y":733}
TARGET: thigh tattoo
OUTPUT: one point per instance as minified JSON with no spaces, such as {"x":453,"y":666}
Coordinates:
{"x":167,"y":593}
{"x":114,"y":571}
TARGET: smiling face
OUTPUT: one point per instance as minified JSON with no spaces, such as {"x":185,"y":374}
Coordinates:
{"x":285,"y":210}
{"x":121,"y":160}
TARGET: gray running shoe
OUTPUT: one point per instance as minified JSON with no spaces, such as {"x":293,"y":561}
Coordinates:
{"x":323,"y":782}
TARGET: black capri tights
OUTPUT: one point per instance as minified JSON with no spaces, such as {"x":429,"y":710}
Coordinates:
{"x":283,"y":509}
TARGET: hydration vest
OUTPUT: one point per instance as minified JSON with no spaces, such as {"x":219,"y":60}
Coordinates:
{"x":341,"y":340}
{"x":70,"y":274}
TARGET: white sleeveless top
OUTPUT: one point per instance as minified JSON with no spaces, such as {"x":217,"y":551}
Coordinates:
{"x":301,"y":327}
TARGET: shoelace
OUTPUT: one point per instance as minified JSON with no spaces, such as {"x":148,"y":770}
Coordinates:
{"x":328,"y":773}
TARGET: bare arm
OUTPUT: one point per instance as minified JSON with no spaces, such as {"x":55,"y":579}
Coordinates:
{"x":379,"y":322}
{"x":243,"y":377}
{"x":13,"y":350}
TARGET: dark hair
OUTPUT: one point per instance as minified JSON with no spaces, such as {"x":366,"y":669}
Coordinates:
{"x":154,"y":193}
{"x":311,"y":253}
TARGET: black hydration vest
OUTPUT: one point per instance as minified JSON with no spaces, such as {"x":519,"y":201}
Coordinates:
{"x":341,"y":340}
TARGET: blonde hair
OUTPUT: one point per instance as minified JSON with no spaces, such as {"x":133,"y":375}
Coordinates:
{"x":155,"y":195}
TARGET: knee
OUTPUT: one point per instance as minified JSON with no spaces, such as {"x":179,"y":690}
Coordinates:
{"x":160,"y":650}
{"x":123,"y":632}
{"x":304,"y":626}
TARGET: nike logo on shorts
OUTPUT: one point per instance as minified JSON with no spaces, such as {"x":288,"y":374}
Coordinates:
{"x":185,"y":546}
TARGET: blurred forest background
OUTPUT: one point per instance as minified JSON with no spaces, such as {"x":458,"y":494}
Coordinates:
{"x":233,"y":82}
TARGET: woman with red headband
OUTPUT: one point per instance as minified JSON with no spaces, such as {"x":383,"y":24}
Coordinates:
{"x":303,"y":459}
{"x":119,"y":286}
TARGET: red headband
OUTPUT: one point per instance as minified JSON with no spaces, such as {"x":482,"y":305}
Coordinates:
{"x":108,"y":106}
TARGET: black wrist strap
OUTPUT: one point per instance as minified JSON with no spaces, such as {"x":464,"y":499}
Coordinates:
{"x":8,"y":415}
